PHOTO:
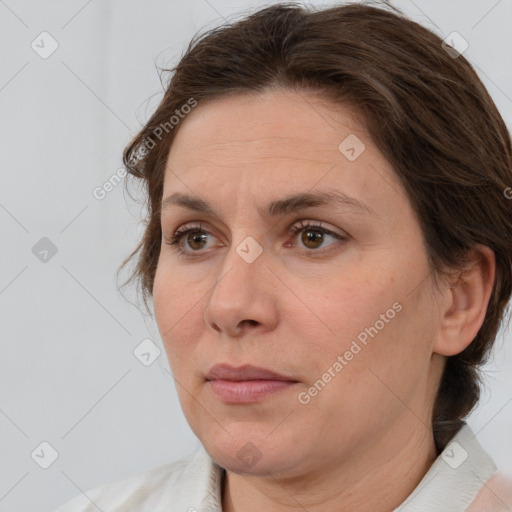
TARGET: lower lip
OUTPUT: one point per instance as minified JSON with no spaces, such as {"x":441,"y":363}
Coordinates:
{"x":247,"y":391}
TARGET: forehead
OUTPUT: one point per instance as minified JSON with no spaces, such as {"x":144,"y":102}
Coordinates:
{"x":280,"y":142}
{"x":285,"y":122}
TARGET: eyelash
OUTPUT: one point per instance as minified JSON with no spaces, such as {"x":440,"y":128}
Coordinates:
{"x":174,"y":239}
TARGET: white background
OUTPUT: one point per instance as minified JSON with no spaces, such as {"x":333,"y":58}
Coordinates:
{"x":68,"y":373}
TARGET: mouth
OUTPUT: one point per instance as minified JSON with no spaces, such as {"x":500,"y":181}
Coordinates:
{"x":246,"y":384}
{"x":244,"y":373}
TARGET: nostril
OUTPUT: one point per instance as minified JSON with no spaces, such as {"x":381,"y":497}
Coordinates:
{"x":251,"y":322}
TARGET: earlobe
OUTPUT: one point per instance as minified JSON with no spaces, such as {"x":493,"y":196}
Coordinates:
{"x":467,"y":298}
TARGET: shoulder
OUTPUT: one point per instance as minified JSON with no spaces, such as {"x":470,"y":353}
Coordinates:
{"x":151,"y":489}
{"x":495,"y":495}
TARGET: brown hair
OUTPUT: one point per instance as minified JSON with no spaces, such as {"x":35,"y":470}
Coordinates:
{"x":426,"y":110}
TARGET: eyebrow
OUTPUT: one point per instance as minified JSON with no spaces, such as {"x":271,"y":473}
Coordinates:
{"x":287,"y":205}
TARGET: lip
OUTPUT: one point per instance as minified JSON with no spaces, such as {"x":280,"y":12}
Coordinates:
{"x":243,"y":373}
{"x":246,"y":384}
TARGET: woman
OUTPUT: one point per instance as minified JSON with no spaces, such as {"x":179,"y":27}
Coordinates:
{"x":329,"y":256}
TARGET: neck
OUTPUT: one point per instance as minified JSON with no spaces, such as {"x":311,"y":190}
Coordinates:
{"x":377,"y":478}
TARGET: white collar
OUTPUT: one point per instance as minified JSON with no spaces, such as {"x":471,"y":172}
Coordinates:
{"x":450,"y":485}
{"x":455,"y":477}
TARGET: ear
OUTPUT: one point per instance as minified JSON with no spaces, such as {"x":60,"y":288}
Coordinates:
{"x":465,"y":302}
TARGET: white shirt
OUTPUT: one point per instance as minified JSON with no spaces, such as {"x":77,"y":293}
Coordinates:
{"x":194,"y":484}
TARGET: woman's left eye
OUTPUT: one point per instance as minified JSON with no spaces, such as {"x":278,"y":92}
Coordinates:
{"x":312,"y":236}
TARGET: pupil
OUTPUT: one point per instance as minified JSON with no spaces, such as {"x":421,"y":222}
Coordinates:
{"x":197,"y":237}
{"x":312,"y":236}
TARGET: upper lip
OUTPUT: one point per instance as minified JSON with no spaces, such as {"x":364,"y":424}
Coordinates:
{"x":245,"y":372}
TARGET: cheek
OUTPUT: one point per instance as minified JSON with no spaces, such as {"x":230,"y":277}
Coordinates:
{"x":175,"y":310}
{"x":164,"y":301}
{"x":179,"y":301}
{"x":373,"y":318}
{"x":350,"y":303}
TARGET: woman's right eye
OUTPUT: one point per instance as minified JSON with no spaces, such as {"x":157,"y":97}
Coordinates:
{"x":195,"y":237}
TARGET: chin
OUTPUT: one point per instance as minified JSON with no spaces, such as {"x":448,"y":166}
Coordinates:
{"x":246,"y":450}
{"x":250,"y":460}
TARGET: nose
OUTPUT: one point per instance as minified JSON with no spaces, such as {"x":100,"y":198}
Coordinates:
{"x":243,"y":299}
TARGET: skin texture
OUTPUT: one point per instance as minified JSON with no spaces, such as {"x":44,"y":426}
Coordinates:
{"x":297,"y":307}
{"x":495,"y":495}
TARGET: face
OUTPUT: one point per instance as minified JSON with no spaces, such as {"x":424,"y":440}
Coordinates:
{"x":335,"y":296}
